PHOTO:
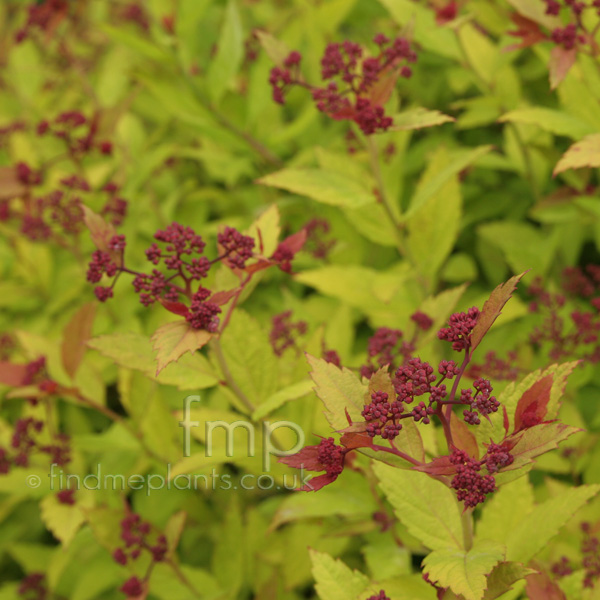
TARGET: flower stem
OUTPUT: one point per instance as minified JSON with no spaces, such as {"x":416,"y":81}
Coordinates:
{"x":457,"y":379}
{"x":397,"y":452}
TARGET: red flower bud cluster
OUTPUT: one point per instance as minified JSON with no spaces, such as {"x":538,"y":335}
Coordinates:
{"x":326,"y":456}
{"x":496,"y":367}
{"x":280,"y":78}
{"x":573,"y":36}
{"x":105,"y":263}
{"x":422,"y":320}
{"x":446,"y":13}
{"x":562,"y":568}
{"x":386,"y":347}
{"x":138,"y":536}
{"x":575,"y":7}
{"x":66,"y":497}
{"x":35,"y":371}
{"x":179,"y":251}
{"x":25,"y":441}
{"x":316,"y":244}
{"x":115,"y":208}
{"x":471,"y":487}
{"x":590,"y":548}
{"x":382,"y":416}
{"x":567,"y":37}
{"x":33,"y":587}
{"x":459,"y":330}
{"x":203,"y":314}
{"x":331,"y":456}
{"x":496,"y":457}
{"x":284,"y":331}
{"x":238,"y":248}
{"x":575,"y":334}
{"x":414,"y":379}
{"x":57,"y":213}
{"x":135,"y":12}
{"x":381,"y":596}
{"x":480,"y":403}
{"x":590,"y":562}
{"x":78,"y":132}
{"x":354,"y":94}
{"x":132,"y":588}
{"x":44,"y":16}
{"x":331,"y":356}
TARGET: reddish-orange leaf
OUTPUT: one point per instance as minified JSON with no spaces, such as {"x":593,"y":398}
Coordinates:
{"x":77,"y":332}
{"x":532,"y":406}
{"x":223,"y":297}
{"x":381,"y":91}
{"x":294,"y":242}
{"x":561,"y":61}
{"x":348,"y":112}
{"x":462,"y":437}
{"x":11,"y":374}
{"x":10,"y":186}
{"x":438,"y":466}
{"x":353,"y":440}
{"x":529,"y":32}
{"x":541,"y":587}
{"x":492,"y":308}
{"x":177,"y":308}
{"x":259,"y":265}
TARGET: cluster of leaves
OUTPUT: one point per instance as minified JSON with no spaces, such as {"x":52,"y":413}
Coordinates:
{"x":312,"y":201}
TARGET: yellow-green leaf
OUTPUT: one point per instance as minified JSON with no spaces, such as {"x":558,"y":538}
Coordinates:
{"x":434,"y":227}
{"x":323,"y":186}
{"x":134,"y":351}
{"x":335,"y":580}
{"x":548,"y":119}
{"x":63,"y":520}
{"x":425,"y":506}
{"x":503,"y":511}
{"x":435,"y":183}
{"x":273,"y":402}
{"x":339,"y":389}
{"x":276,"y":50}
{"x":418,"y":118}
{"x":464,"y":572}
{"x":545,"y":521}
{"x":230,"y":52}
{"x":250,"y":358}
